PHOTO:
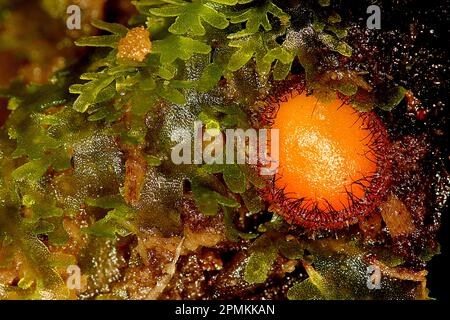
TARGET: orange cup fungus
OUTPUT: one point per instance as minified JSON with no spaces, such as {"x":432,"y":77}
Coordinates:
{"x":332,"y":165}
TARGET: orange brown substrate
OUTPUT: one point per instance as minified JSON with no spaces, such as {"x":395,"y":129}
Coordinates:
{"x":332,"y":164}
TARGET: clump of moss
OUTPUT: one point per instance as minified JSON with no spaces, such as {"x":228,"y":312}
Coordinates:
{"x":69,"y":146}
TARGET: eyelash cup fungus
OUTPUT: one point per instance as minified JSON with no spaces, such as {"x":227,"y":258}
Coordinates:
{"x":333,"y":168}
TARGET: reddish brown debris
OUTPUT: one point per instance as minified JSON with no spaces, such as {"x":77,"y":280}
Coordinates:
{"x":136,"y":169}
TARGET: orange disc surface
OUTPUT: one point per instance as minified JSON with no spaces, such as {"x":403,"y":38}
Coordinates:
{"x":324,"y":152}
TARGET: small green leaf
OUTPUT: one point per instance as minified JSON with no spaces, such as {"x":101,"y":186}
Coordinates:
{"x":178,"y":47}
{"x":334,"y":18}
{"x":59,"y":159}
{"x":116,"y":222}
{"x":208,"y":201}
{"x":147,"y":84}
{"x":259,"y":265}
{"x":257,"y":17}
{"x":14,"y":103}
{"x":90,"y":92}
{"x":318,"y":25}
{"x":233,"y":175}
{"x":183,"y":84}
{"x":142,"y":102}
{"x":347,"y":88}
{"x":114,"y":28}
{"x":58,"y":236}
{"x":169,"y":93}
{"x":228,"y":2}
{"x":304,"y":290}
{"x":210,"y":77}
{"x":205,"y":200}
{"x":31,"y":171}
{"x":253,"y":177}
{"x":247,"y":49}
{"x":153,"y":161}
{"x":25,"y":283}
{"x":33,"y":141}
{"x":233,"y":234}
{"x":167,"y":71}
{"x":149,"y":3}
{"x":107,"y":202}
{"x":190,"y":16}
{"x":227,"y":202}
{"x":99,"y":41}
{"x":126,"y":82}
{"x":234,"y":178}
{"x":252,"y":200}
{"x":291,"y":249}
{"x":339,"y":32}
{"x":107,"y":228}
{"x":106,"y":94}
{"x":336,"y":45}
{"x":281,"y":70}
{"x":283,"y":60}
{"x":43,"y":227}
{"x":392,"y":98}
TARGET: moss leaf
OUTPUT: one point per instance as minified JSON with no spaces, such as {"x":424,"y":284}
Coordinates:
{"x":178,"y":47}
{"x":392,"y":98}
{"x":246,"y":50}
{"x":259,"y":265}
{"x":210,"y":77}
{"x":114,"y":28}
{"x":189,"y":17}
{"x":90,"y":92}
{"x":110,"y":41}
{"x":257,"y":17}
{"x":208,"y":201}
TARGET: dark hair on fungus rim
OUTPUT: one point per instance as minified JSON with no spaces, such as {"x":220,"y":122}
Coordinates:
{"x":330,"y":174}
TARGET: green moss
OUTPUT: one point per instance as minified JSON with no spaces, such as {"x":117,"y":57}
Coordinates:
{"x":259,"y":265}
{"x":113,"y":105}
{"x":190,"y":17}
{"x":256,"y":18}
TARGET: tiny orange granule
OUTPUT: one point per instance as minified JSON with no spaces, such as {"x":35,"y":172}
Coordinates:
{"x":135,"y":45}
